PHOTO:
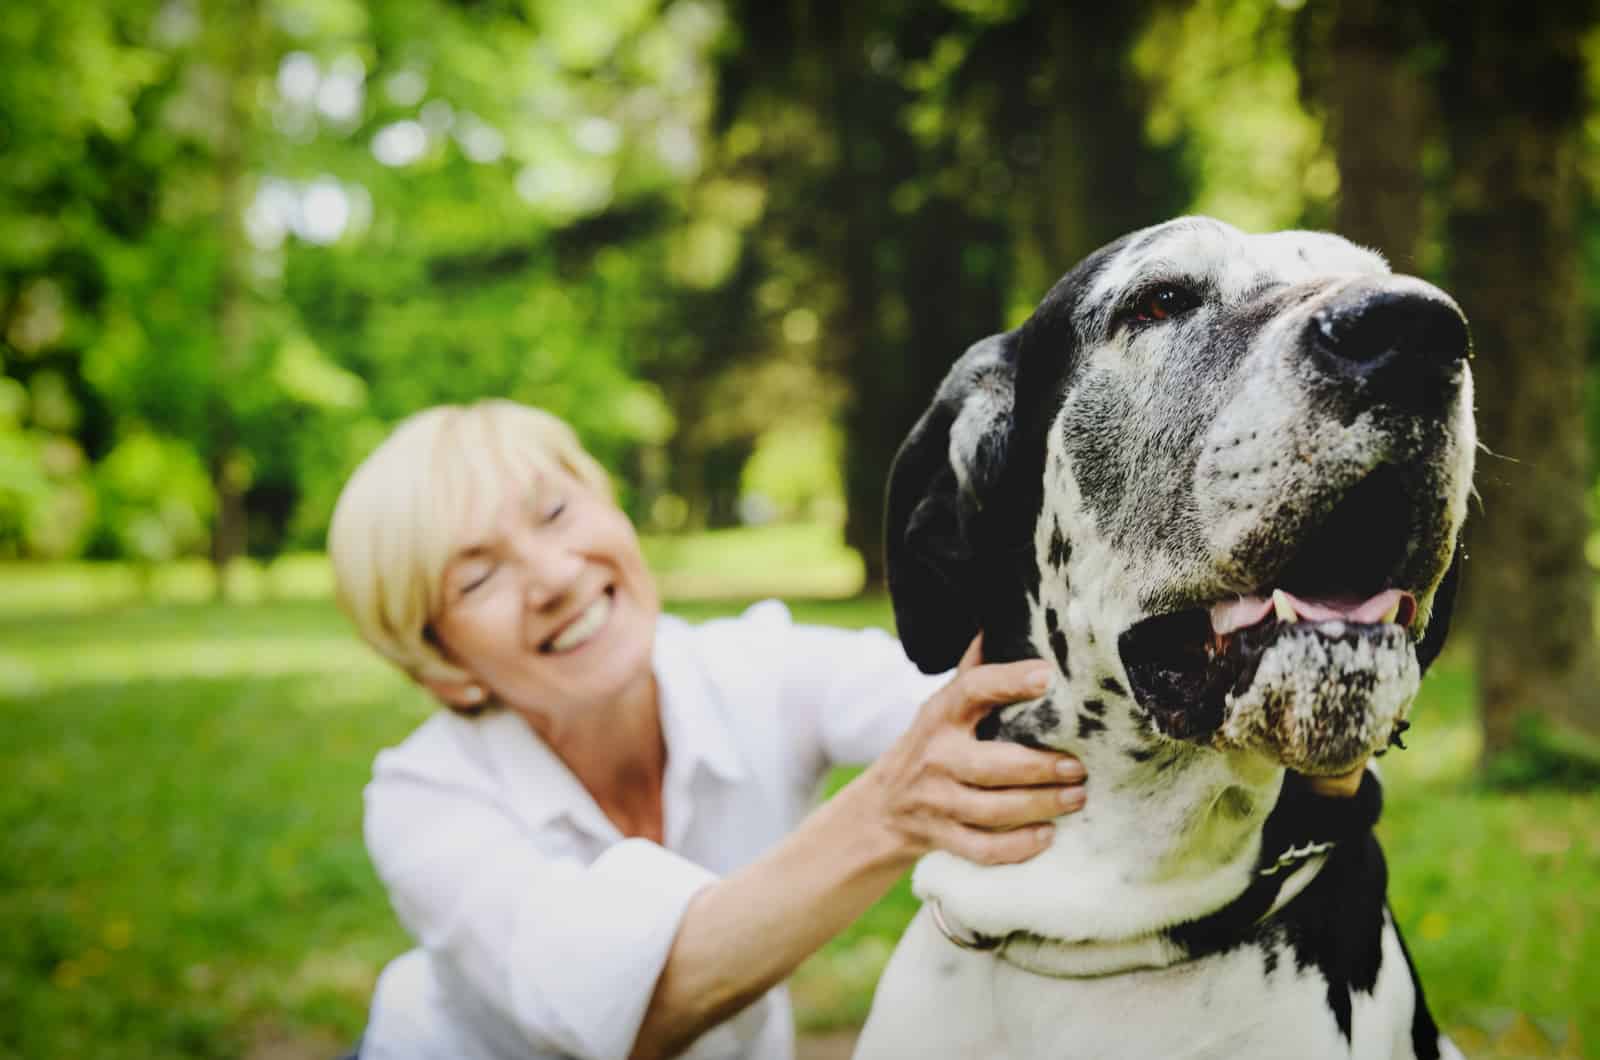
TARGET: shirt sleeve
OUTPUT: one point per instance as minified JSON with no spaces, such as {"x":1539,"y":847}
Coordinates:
{"x":567,"y":952}
{"x":852,"y":691}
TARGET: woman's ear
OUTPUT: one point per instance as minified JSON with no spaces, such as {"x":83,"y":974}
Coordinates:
{"x":457,"y":694}
{"x":951,"y":460}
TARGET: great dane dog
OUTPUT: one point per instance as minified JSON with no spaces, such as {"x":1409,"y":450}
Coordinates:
{"x":1219,"y":479}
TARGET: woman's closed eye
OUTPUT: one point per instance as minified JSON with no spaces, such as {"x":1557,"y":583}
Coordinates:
{"x":474,"y":575}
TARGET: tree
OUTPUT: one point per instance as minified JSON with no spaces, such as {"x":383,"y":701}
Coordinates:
{"x":888,"y":264}
{"x":258,"y":231}
{"x":1363,"y":64}
{"x":1512,"y":94}
{"x":923,"y":158}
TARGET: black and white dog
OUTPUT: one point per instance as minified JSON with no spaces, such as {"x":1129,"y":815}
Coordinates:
{"x":1219,"y":479}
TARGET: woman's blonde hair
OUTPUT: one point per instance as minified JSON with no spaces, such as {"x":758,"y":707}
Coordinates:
{"x":403,"y":513}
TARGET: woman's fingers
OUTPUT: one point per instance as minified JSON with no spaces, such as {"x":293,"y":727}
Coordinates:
{"x":1000,"y":764}
{"x":986,"y":801}
{"x":1008,"y":808}
{"x":981,"y":688}
{"x":996,"y":848}
{"x":973,"y":656}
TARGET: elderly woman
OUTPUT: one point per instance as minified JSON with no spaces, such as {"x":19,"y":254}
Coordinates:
{"x":608,"y":845}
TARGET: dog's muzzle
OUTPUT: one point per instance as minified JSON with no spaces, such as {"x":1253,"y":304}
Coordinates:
{"x":1310,"y":654}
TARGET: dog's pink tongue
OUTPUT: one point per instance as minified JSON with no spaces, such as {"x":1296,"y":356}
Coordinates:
{"x":1245,"y":611}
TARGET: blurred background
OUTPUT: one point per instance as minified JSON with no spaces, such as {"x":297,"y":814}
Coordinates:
{"x":736,"y":244}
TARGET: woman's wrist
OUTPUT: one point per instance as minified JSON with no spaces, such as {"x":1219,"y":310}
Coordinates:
{"x":863,"y":807}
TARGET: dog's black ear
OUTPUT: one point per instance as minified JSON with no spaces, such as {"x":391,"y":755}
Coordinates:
{"x":1444,"y":606}
{"x":949,"y":463}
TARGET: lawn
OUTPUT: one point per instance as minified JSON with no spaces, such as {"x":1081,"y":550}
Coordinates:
{"x":183,"y":875}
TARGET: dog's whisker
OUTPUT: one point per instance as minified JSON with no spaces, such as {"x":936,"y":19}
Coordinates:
{"x":1483,"y":448}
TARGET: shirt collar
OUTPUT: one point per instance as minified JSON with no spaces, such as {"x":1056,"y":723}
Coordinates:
{"x":692,"y":724}
{"x":695,"y":728}
{"x":543,"y":788}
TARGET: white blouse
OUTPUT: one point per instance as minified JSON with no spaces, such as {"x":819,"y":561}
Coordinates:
{"x":542,"y":930}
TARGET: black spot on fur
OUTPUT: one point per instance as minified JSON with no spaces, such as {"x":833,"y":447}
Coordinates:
{"x":1424,"y":1032}
{"x":1335,"y":926}
{"x":1088,"y":726}
{"x":1112,"y":685}
{"x":1060,"y":551}
{"x":1095,"y":706}
{"x":1052,"y":621}
{"x":1235,"y":803}
{"x":1269,"y":954}
{"x":1044,"y":716}
{"x":1058,"y":645}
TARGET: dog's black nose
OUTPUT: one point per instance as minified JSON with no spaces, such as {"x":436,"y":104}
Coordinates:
{"x":1399,"y":347}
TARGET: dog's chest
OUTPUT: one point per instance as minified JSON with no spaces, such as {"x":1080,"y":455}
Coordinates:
{"x":1254,"y":1001}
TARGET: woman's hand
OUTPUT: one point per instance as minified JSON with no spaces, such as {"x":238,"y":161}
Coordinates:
{"x":940,"y":787}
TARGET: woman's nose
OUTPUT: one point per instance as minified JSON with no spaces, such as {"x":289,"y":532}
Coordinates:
{"x":548,"y":574}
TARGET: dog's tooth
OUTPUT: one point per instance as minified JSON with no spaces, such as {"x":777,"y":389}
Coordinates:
{"x":1393,"y":612}
{"x":1283,"y":608}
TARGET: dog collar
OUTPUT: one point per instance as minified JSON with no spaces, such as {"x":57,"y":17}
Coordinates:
{"x":1065,"y":959}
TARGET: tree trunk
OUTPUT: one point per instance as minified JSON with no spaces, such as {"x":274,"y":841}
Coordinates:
{"x":1100,"y":177}
{"x":1512,"y":94}
{"x":237,"y":31}
{"x":1360,"y":65}
{"x":923,"y":245}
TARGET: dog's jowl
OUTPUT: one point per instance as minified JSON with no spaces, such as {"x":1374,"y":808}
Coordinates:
{"x":1219,"y":480}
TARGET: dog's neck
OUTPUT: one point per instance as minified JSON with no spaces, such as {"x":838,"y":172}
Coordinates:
{"x":1169,"y":833}
{"x":1158,"y":843}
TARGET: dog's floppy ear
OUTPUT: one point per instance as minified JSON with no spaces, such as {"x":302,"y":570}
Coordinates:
{"x":1444,"y":605}
{"x":941,"y":477}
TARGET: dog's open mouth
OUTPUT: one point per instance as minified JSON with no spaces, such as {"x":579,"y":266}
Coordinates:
{"x":1312,"y":664}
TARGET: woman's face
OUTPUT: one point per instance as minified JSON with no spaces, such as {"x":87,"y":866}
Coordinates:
{"x":549,"y":606}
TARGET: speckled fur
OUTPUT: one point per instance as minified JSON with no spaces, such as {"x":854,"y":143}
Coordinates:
{"x":1154,"y":468}
{"x":1324,"y":699}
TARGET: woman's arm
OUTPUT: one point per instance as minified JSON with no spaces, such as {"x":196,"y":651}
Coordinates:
{"x":936,"y":787}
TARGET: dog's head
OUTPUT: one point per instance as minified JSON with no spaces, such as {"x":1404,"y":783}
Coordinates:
{"x":1224,"y":472}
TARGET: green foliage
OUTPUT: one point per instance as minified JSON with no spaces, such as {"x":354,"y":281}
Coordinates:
{"x":155,"y":498}
{"x":1546,"y":755}
{"x":795,"y":469}
{"x":1227,"y":84}
{"x":45,"y":502}
{"x":290,"y":224}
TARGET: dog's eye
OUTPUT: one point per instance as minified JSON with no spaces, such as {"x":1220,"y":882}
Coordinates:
{"x":1162,"y":302}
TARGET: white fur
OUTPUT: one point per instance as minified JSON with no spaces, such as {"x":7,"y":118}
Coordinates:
{"x":937,"y":1002}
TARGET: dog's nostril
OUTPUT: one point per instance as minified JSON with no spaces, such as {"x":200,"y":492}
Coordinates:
{"x":1401,"y":344}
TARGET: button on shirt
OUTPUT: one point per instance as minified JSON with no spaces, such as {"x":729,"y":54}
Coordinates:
{"x":542,"y":930}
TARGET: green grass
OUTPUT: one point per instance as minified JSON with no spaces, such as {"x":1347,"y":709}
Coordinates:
{"x":802,"y":560}
{"x":182,"y":874}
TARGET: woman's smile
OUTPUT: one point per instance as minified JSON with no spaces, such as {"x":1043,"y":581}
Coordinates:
{"x":583,"y":628}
